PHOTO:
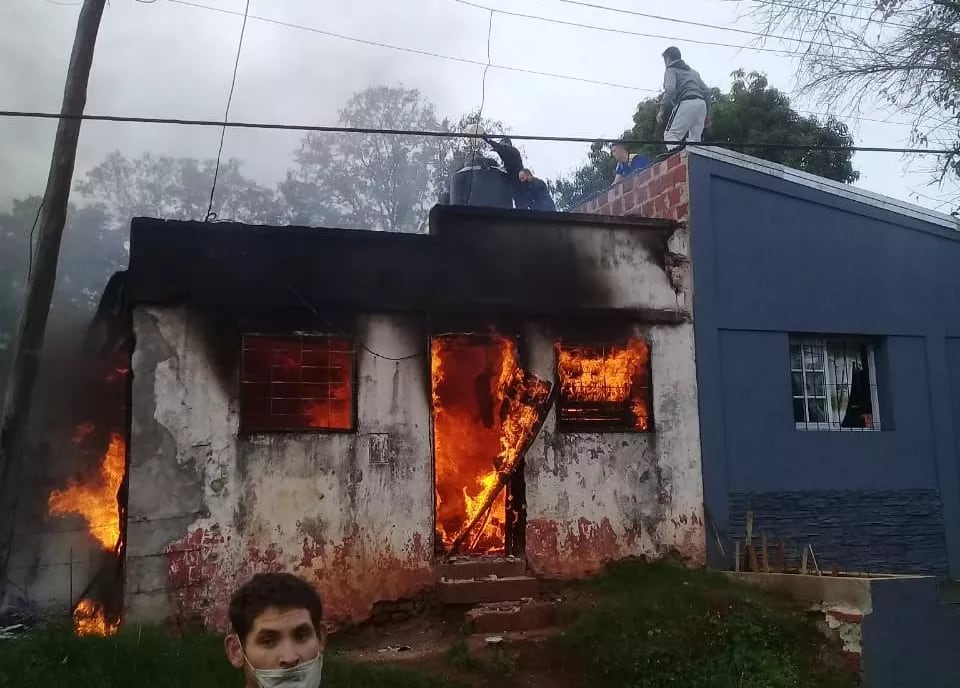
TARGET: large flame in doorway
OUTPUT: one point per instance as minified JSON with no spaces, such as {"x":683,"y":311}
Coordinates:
{"x":486,"y":410}
{"x":96,"y":502}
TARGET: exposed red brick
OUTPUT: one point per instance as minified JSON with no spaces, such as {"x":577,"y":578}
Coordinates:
{"x":627,"y":184}
{"x":846,"y":617}
{"x":674,"y":161}
{"x":646,"y":210}
{"x":616,"y":208}
{"x":628,"y":202}
{"x":641,"y":192}
{"x":680,"y":175}
{"x":660,"y":207}
{"x":681,"y":212}
{"x":674,"y":196}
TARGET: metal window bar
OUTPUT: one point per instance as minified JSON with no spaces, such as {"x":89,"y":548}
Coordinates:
{"x":834,"y":384}
{"x":607,"y":403}
{"x":307,"y":379}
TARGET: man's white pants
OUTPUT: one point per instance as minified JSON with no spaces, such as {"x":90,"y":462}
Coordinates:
{"x":687,"y":120}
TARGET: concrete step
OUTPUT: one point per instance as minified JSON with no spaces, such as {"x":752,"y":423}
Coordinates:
{"x":487,"y":590}
{"x":471,"y":569}
{"x":508,"y":617}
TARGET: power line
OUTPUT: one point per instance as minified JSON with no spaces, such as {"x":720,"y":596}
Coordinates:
{"x":479,"y":63}
{"x":463,"y":60}
{"x":759,"y":34}
{"x":226,"y":115}
{"x":461,"y":135}
{"x":631,"y":33}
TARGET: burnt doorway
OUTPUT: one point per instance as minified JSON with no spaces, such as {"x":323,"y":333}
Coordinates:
{"x":486,"y":410}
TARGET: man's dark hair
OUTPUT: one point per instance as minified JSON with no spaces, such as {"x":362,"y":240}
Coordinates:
{"x":672,"y":53}
{"x":280,"y":590}
{"x":527,"y":171}
{"x":620,"y":144}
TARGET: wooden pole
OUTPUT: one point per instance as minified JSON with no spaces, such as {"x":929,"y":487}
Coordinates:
{"x":36,"y":309}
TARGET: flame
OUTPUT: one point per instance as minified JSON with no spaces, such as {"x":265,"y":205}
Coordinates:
{"x":599,"y":384}
{"x":485,"y":410}
{"x":90,"y":619}
{"x":96,"y":501}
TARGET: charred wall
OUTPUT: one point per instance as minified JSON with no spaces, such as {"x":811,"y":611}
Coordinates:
{"x":208,"y":507}
{"x":594,"y":497}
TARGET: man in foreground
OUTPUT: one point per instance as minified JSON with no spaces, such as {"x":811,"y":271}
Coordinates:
{"x":684,"y":102}
{"x":278,"y":637}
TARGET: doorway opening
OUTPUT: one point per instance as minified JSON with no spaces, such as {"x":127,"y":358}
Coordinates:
{"x":486,"y":411}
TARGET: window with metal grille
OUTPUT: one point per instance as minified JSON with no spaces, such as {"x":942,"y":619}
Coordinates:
{"x":834,"y":383}
{"x":605,"y":387}
{"x":296,"y":383}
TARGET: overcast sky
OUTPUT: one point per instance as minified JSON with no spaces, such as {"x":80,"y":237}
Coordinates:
{"x":171,"y":60}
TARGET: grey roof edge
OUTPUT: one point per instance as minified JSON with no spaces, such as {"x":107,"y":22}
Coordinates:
{"x":827,"y":186}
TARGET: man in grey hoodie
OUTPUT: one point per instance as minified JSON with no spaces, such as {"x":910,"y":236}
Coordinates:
{"x":685,"y":100}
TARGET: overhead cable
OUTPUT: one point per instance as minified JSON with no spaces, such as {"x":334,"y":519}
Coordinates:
{"x":455,"y":134}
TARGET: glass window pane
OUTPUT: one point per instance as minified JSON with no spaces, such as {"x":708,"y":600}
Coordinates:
{"x":796,"y":362}
{"x":817,"y":408}
{"x":812,"y":357}
{"x":796,"y":380}
{"x":815,"y":386}
{"x":799,"y":411}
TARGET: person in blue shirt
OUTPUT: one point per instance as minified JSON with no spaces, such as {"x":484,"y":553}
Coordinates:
{"x":628,"y":164}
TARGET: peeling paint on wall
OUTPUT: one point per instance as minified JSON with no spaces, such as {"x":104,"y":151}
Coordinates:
{"x":597,"y":497}
{"x":353,"y":512}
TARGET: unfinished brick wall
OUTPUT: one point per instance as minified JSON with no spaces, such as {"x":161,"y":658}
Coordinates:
{"x":661,"y":191}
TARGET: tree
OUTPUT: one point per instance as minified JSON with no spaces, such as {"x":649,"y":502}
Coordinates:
{"x":751,"y":111}
{"x":376,"y":181}
{"x":901,"y":53}
{"x":176,"y":188}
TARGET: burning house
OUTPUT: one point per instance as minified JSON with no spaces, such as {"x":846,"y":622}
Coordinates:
{"x":357,"y":407}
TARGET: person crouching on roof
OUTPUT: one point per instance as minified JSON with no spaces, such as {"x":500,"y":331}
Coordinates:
{"x":536,"y":195}
{"x":628,"y":164}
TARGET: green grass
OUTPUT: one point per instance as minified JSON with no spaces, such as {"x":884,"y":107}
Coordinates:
{"x":636,"y":626}
{"x":659,"y":625}
{"x":153,"y":659}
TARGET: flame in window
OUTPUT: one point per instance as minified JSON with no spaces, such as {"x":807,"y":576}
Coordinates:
{"x":605,"y":385}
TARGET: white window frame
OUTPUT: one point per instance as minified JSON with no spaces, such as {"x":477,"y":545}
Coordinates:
{"x":823,"y":344}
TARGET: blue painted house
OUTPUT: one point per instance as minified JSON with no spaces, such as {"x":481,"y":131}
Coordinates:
{"x":827,"y":332}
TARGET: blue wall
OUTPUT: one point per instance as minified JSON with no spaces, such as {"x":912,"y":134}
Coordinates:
{"x":773,"y":257}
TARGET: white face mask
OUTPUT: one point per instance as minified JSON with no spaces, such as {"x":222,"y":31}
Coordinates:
{"x":304,"y":675}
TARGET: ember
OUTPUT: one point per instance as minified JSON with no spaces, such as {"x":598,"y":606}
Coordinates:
{"x":90,"y":619}
{"x":608,"y":386}
{"x":486,"y":410}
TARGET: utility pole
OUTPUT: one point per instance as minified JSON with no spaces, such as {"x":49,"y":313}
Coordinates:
{"x":33,"y":319}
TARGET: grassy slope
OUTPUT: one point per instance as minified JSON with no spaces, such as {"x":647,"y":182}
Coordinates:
{"x":659,"y":625}
{"x":638,"y":625}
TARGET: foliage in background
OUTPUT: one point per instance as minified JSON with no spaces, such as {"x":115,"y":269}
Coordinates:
{"x":868,"y":53}
{"x":750,"y":111}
